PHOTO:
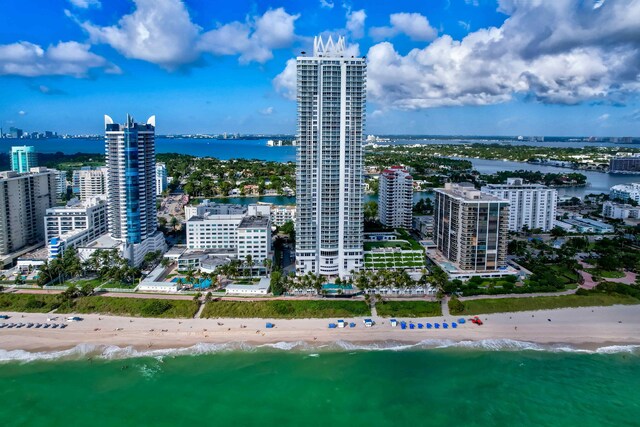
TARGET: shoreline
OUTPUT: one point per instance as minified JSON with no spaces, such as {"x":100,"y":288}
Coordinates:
{"x":580,"y":329}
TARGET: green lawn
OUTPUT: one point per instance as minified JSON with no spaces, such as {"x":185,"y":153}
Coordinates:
{"x":286,"y":309}
{"x":138,"y":307}
{"x":605,"y":273}
{"x":409,"y":309}
{"x":29,"y":303}
{"x":507,"y":305}
{"x":405,"y":259}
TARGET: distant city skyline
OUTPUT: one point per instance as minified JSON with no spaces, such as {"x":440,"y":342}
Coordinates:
{"x":464,"y":67}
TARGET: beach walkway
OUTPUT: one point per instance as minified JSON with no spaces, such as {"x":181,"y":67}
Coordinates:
{"x":445,"y":306}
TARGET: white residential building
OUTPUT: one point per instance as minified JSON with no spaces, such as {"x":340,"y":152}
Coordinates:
{"x":620,"y":210}
{"x":246,"y":233}
{"x":61,"y":182}
{"x":92,"y":182}
{"x":626,"y":192}
{"x":331,"y":92}
{"x":209,"y":207}
{"x":395,"y":198}
{"x":531,"y":205}
{"x":131,"y":195}
{"x":280,"y":214}
{"x":24,"y":200}
{"x":161,"y":178}
{"x":77,"y":223}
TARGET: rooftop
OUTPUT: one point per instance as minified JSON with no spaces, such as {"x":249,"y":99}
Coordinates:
{"x":466,"y":192}
{"x":254,"y":222}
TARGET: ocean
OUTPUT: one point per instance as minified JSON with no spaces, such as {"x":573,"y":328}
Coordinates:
{"x":502,"y":383}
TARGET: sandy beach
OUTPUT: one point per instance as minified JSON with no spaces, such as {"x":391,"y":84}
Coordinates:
{"x":587,"y":328}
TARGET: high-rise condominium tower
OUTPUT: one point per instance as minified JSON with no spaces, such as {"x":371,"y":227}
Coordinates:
{"x":131,"y":185}
{"x":395,"y":204}
{"x":471,"y":227}
{"x":23,"y":158}
{"x":329,"y":193}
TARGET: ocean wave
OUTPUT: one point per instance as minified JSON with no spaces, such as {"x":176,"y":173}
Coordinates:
{"x":90,"y":351}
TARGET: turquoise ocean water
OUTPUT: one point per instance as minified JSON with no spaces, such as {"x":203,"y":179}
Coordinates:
{"x":334,"y":386}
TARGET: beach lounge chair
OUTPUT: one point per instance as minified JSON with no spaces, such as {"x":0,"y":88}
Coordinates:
{"x":436,"y":325}
{"x":429,"y":325}
{"x":332,"y":326}
{"x":454,"y":325}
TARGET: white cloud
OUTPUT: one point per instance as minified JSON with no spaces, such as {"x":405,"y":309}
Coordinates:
{"x":64,"y":59}
{"x":22,"y":113}
{"x":604,"y":117}
{"x":163,"y":33}
{"x":267,"y":111}
{"x":85,"y":4}
{"x":562,"y":52}
{"x":465,"y":25}
{"x":355,"y":23}
{"x":414,"y":25}
{"x":326,"y":4}
{"x":285,"y":82}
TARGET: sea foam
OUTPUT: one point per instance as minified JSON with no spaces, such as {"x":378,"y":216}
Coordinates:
{"x":90,"y":351}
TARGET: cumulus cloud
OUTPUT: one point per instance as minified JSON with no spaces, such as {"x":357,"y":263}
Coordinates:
{"x":285,"y":82}
{"x":414,"y":25}
{"x":267,"y":111}
{"x":85,"y":4}
{"x":64,"y":59}
{"x":562,"y":52}
{"x":326,"y":4}
{"x":355,"y":23}
{"x":22,"y":113}
{"x":253,"y":40}
{"x":163,"y":33}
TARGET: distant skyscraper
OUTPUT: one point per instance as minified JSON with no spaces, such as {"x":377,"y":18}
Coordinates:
{"x":131,"y":196}
{"x":530,"y":205}
{"x":471,"y":227}
{"x":331,"y":115}
{"x":161,"y":178}
{"x":23,"y":158}
{"x":395,"y":201}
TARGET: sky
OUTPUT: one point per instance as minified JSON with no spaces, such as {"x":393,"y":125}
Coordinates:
{"x":438,"y":67}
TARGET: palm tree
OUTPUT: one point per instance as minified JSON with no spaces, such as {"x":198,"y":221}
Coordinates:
{"x":249,"y":262}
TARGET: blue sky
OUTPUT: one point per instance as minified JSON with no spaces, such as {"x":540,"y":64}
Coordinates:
{"x":507,"y":67}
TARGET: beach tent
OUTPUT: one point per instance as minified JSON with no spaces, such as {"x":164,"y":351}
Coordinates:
{"x":429,"y":325}
{"x":436,"y":325}
{"x":269,"y":325}
{"x":352,"y":325}
{"x":445,"y":325}
{"x":368,"y":323}
{"x":403,"y":325}
{"x":332,"y":326}
{"x":420,"y":326}
{"x":394,"y":322}
{"x":412,"y":326}
{"x":454,"y":325}
{"x":341,"y":323}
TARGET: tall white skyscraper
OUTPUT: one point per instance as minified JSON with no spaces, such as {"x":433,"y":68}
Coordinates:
{"x":131,"y":189}
{"x":531,"y":205}
{"x":331,"y":116}
{"x":395,"y":201}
